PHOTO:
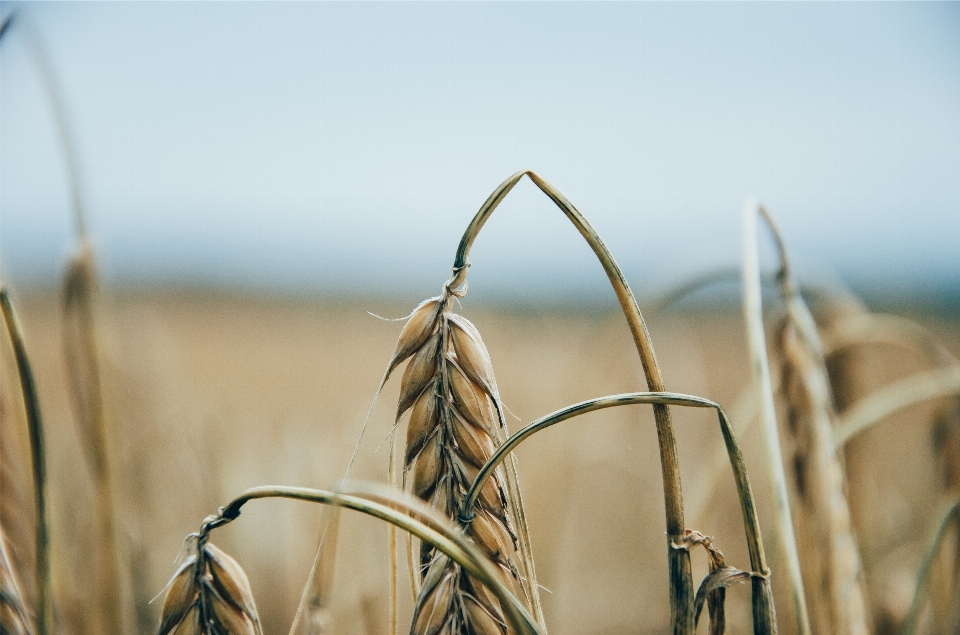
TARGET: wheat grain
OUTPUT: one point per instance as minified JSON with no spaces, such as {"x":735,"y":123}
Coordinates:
{"x":454,"y":427}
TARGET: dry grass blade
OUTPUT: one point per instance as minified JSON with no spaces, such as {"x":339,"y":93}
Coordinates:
{"x":14,"y":617}
{"x":952,"y":517}
{"x":455,"y":425}
{"x":932,"y":384}
{"x":681,"y":580}
{"x":833,"y":573}
{"x":712,"y":589}
{"x":38,"y":462}
{"x":209,"y":595}
{"x":760,"y":365}
{"x":764,"y":615}
{"x":449,"y":540}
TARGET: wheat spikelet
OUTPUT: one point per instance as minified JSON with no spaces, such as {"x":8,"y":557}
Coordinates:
{"x":832,"y":572}
{"x":209,"y":595}
{"x":455,"y":426}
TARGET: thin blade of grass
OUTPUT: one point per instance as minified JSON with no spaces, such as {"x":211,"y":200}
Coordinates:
{"x":764,"y":614}
{"x":952,"y":516}
{"x":449,"y":540}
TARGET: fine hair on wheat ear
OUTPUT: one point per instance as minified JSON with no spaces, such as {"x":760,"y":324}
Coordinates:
{"x":760,"y":366}
{"x":764,"y":614}
{"x":406,"y":514}
{"x":38,"y":460}
{"x":680,"y":575}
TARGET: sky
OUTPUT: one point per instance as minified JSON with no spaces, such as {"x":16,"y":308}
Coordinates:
{"x":335,"y":147}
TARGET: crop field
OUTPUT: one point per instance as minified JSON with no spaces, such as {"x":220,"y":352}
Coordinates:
{"x":209,"y":394}
{"x":223,"y":413}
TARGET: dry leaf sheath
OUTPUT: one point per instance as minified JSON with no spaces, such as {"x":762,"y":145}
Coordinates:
{"x":455,"y":426}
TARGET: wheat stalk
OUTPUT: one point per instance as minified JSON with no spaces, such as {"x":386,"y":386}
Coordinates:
{"x":951,"y":517}
{"x":681,"y":580}
{"x":764,"y":615}
{"x":31,"y":404}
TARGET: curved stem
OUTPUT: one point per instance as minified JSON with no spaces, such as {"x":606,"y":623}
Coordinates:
{"x":449,"y":541}
{"x":31,"y":404}
{"x":681,"y":579}
{"x":764,"y":615}
{"x":753,"y":315}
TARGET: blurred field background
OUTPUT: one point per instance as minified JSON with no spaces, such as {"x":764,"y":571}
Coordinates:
{"x":256,"y":178}
{"x":214,"y":393}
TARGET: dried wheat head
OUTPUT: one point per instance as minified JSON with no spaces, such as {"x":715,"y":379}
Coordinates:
{"x":209,"y":595}
{"x":455,"y":425}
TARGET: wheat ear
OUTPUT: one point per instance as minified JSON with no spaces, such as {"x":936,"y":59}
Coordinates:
{"x":38,"y":461}
{"x":455,"y":423}
{"x":753,"y":316}
{"x":833,"y":573}
{"x":681,"y":580}
{"x":209,"y":595}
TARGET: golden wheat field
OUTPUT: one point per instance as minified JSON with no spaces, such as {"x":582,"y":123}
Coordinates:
{"x":210,"y":393}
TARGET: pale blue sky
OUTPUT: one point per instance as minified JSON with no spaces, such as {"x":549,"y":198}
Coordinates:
{"x":326,"y":146}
